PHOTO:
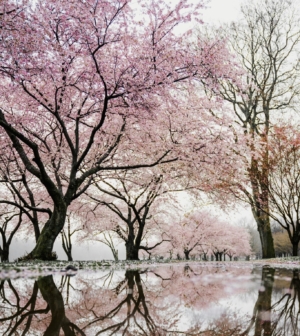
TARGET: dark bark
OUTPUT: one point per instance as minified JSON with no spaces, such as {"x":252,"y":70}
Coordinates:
{"x":52,"y":228}
{"x":217,"y":256}
{"x":69,"y":255}
{"x":34,"y":216}
{"x":55,"y":301}
{"x":132,"y":251}
{"x":4,"y":253}
{"x":295,"y":248}
{"x":6,"y":241}
{"x":4,"y":250}
{"x":187,"y":254}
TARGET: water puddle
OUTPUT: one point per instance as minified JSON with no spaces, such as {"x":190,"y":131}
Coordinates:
{"x":177,"y":299}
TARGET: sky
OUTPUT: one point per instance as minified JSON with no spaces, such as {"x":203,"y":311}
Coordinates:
{"x":222,"y":11}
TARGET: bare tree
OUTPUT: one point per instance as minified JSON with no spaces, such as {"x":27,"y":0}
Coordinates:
{"x":265,"y":42}
{"x":284,"y":182}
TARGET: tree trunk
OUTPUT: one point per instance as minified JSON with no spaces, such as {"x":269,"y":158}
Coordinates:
{"x":52,"y":228}
{"x":69,"y":254}
{"x":115,"y":253}
{"x":295,"y":249}
{"x":264,"y":229}
{"x":36,"y":228}
{"x":68,"y":249}
{"x":5,"y":253}
{"x":187,"y":254}
{"x":132,"y":252}
{"x":259,"y":178}
{"x":267,"y":244}
{"x":67,"y":242}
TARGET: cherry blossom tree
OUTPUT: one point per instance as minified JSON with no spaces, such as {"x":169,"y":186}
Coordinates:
{"x":21,"y":190}
{"x":133,"y":200}
{"x":137,"y":201}
{"x":202,"y":232}
{"x":77,"y":76}
{"x":192,"y":232}
{"x":20,"y":212}
{"x":21,"y":196}
{"x":237,"y":242}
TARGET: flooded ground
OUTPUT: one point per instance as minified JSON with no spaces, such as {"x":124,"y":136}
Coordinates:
{"x":175,"y":299}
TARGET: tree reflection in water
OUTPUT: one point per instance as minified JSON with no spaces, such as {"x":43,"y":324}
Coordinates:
{"x":150,"y":302}
{"x":276,"y":316}
{"x":55,"y":302}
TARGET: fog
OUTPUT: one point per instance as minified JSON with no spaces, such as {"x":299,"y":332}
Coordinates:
{"x":84,"y":251}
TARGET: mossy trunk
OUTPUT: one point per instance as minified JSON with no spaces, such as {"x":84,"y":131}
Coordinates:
{"x":52,"y":228}
{"x":260,"y":211}
{"x":259,"y":177}
{"x":266,"y":238}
